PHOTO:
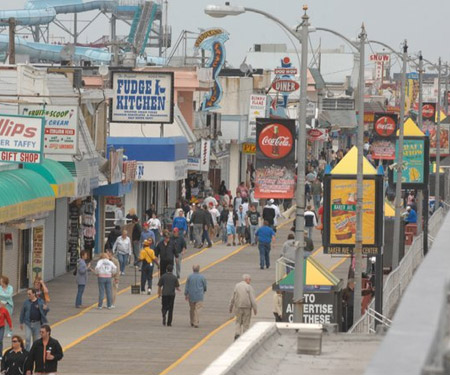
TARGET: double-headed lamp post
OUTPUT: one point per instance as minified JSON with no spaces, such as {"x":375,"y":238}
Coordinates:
{"x":220,"y":11}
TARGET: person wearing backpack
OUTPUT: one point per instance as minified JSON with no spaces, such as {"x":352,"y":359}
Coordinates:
{"x":148,"y":257}
{"x":81,"y":273}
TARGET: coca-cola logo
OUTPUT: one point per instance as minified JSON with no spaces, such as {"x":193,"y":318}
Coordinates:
{"x":428,"y":110}
{"x":385,"y":126}
{"x":275,"y":141}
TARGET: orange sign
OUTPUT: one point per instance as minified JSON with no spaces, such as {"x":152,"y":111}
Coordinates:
{"x":249,"y":148}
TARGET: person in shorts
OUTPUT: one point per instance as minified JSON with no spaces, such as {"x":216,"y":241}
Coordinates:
{"x":241,"y":225}
{"x":231,"y":226}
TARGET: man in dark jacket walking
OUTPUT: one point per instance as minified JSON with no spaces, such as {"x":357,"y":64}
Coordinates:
{"x":167,"y":285}
{"x":207,"y":224}
{"x":166,"y":252}
{"x":112,"y":237}
{"x":198,"y":219}
{"x":44,"y":354}
{"x":223,"y":218}
{"x":136,"y":240}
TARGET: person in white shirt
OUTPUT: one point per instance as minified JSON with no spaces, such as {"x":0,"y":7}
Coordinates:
{"x":104,"y":270}
{"x":277,"y":212}
{"x":155,"y":226}
{"x":122,"y":247}
{"x":119,"y":217}
{"x":310,"y":220}
{"x":215,"y":216}
{"x":190,"y":225}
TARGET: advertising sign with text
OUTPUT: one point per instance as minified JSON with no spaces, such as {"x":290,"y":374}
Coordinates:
{"x":21,"y":139}
{"x":61,"y":126}
{"x":256,"y":109}
{"x":142,"y":97}
{"x":340,"y":214}
{"x":275,"y":158}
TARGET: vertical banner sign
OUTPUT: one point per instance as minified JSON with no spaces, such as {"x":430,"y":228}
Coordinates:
{"x":115,"y":166}
{"x":340,"y":214}
{"x":37,"y":265}
{"x":142,"y":97}
{"x":213,"y":40}
{"x":415,"y":163}
{"x":429,"y":124}
{"x":256,"y":109}
{"x":61,"y":126}
{"x":275,"y":158}
{"x":384,"y":129}
{"x":21,"y":139}
{"x":205,"y":155}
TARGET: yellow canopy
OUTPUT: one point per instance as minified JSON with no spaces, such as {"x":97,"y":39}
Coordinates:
{"x":349,"y":164}
{"x":389,"y":211}
{"x":411,"y":129}
{"x":443,"y":116}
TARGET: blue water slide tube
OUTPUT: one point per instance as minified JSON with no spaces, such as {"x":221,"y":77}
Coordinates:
{"x":28,"y":17}
{"x":72,"y":6}
{"x":52,"y":52}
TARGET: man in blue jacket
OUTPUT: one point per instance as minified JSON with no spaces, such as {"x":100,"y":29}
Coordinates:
{"x":265,"y":235}
{"x":194,"y":291}
{"x":180,"y":222}
{"x":33,"y":315}
{"x":412,"y":215}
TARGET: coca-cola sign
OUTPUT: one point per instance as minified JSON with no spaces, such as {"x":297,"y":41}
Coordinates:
{"x":385,"y":124}
{"x":275,"y":141}
{"x":275,"y":158}
{"x":285,"y":85}
{"x":428,"y":111}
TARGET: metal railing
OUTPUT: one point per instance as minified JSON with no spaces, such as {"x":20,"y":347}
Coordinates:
{"x":397,"y":281}
{"x":281,"y":268}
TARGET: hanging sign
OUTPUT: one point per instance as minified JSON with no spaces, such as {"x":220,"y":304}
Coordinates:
{"x":61,"y":126}
{"x":249,"y":148}
{"x":256,"y":109}
{"x":415,"y":163}
{"x":275,"y":158}
{"x":205,"y":155}
{"x":317,"y":134}
{"x":384,"y":130}
{"x":142,"y":97}
{"x":213,"y":40}
{"x":21,"y":139}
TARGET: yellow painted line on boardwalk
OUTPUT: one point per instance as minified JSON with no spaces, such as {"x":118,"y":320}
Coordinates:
{"x":334,"y":266}
{"x":89,"y":308}
{"x":145,"y":302}
{"x":316,"y":252}
{"x":148,"y":300}
{"x":205,"y":339}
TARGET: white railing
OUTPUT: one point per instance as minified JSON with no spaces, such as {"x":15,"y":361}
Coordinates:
{"x":282,"y":266}
{"x":397,"y":281}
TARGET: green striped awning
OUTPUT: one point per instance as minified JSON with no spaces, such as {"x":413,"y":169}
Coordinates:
{"x":23,"y":193}
{"x":59,"y":178}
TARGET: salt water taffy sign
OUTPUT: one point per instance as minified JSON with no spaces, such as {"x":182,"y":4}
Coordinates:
{"x":21,"y":139}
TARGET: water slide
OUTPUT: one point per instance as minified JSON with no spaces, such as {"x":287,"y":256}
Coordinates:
{"x":43,"y":12}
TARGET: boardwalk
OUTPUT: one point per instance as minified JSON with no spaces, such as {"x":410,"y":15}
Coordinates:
{"x":131,"y":338}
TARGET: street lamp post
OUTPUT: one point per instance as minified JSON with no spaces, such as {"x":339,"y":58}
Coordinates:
{"x":398,"y":185}
{"x":219,"y":11}
{"x":437,"y":179}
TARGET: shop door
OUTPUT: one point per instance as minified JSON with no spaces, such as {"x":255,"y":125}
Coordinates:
{"x":25,"y":250}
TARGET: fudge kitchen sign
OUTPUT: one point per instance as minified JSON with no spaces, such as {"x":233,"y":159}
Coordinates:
{"x":21,"y":139}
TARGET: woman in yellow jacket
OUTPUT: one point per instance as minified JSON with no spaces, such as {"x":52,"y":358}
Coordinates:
{"x":148,"y":257}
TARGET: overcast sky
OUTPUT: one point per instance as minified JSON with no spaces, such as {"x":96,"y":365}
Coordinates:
{"x":423,"y":23}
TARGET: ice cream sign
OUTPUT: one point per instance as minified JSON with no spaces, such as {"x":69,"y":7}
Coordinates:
{"x":21,"y":139}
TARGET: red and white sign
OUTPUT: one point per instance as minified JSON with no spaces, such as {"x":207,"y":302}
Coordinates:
{"x":428,"y":111}
{"x":385,"y":126}
{"x":317,"y":134}
{"x":379,"y":57}
{"x":275,"y":141}
{"x":21,"y":139}
{"x":205,"y":154}
{"x":61,"y":126}
{"x":285,"y":71}
{"x":285,"y":85}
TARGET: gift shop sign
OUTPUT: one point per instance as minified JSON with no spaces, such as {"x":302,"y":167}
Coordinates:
{"x":21,"y":139}
{"x":61,"y":127}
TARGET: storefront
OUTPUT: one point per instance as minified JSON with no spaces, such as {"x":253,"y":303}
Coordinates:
{"x":161,"y":165}
{"x":56,"y":224}
{"x":25,"y":203}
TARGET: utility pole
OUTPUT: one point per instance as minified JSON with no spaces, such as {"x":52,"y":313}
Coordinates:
{"x":399,"y":168}
{"x":359,"y":179}
{"x":12,"y":41}
{"x":446,"y":90}
{"x":419,"y":122}
{"x":437,"y":193}
{"x":301,"y":164}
